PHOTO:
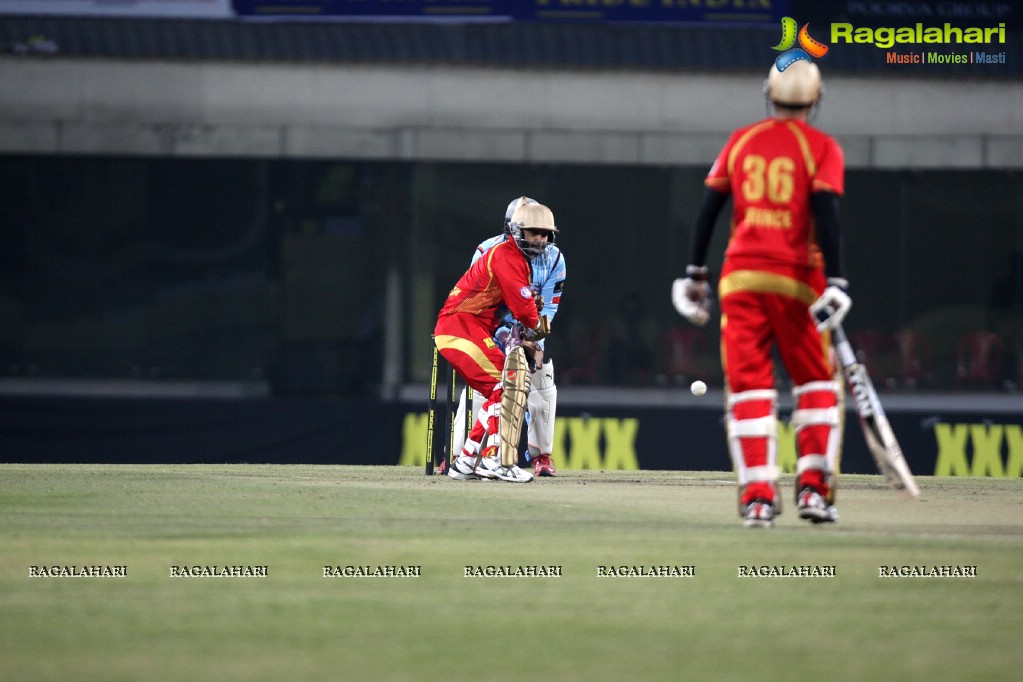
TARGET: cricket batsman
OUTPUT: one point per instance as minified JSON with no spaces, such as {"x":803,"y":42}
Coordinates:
{"x":549,"y":272}
{"x":784,"y":255}
{"x":498,"y":283}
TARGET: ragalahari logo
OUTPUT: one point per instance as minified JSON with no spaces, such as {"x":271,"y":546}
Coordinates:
{"x":808,"y":50}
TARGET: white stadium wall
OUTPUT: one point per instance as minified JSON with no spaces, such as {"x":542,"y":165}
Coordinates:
{"x":447,"y":113}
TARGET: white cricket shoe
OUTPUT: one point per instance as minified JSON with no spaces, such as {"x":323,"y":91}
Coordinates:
{"x":513,"y":474}
{"x":814,"y":508}
{"x":463,"y":468}
{"x":758,"y":514}
{"x":488,"y":466}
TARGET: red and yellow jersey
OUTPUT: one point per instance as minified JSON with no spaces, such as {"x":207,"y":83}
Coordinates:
{"x":498,"y":279}
{"x":771,"y":168}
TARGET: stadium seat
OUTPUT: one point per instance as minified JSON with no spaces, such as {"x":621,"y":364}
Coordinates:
{"x":876,"y":350}
{"x":682,"y":350}
{"x":582,"y":357}
{"x":979,"y":360}
{"x":915,"y":355}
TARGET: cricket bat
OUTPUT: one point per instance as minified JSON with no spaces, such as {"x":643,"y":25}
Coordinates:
{"x":881,"y":441}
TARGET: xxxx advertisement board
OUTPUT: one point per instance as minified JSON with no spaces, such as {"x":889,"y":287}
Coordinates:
{"x":950,"y":444}
{"x":353,"y":431}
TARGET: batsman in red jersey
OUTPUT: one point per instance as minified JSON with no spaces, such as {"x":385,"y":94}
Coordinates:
{"x":784,"y":255}
{"x":495,"y":284}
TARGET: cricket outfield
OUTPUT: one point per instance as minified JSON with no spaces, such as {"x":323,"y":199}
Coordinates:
{"x":300,"y":572}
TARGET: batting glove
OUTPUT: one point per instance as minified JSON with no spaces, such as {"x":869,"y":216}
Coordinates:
{"x":691,"y":295}
{"x":830,"y":309}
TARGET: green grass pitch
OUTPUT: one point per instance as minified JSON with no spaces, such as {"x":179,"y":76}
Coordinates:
{"x":296,"y":624}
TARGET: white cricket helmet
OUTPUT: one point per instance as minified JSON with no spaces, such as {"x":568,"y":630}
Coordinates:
{"x":799,"y":85}
{"x":531,"y":216}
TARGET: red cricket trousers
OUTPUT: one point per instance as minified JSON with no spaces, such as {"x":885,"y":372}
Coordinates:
{"x":468,"y":345}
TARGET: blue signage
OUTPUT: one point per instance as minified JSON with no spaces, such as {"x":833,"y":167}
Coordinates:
{"x":610,"y":11}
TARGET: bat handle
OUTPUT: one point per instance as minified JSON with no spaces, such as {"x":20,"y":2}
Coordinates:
{"x":845,"y":352}
{"x":839,"y":333}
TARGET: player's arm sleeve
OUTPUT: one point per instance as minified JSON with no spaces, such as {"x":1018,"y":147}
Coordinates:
{"x":830,"y":175}
{"x":829,"y":232}
{"x":711,"y":203}
{"x":552,"y":289}
{"x":513,"y":279}
{"x":477,"y":253}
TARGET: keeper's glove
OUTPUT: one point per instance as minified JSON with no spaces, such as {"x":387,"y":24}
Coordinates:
{"x":830,"y":309}
{"x":691,"y":295}
{"x":541,"y":331}
{"x":502,"y":336}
